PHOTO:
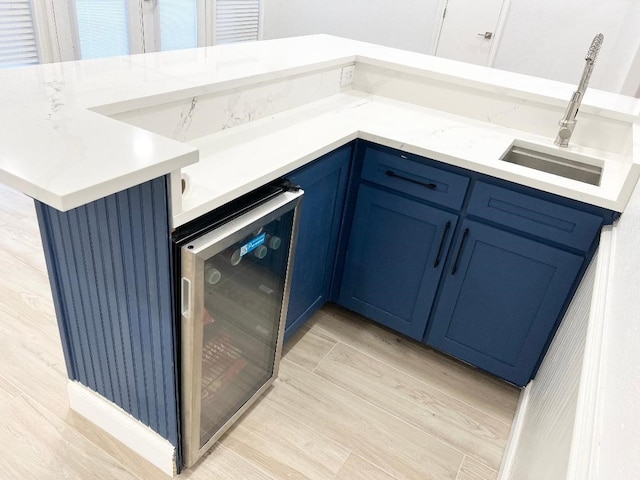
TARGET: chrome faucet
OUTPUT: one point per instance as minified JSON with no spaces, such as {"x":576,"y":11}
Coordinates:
{"x":568,"y":122}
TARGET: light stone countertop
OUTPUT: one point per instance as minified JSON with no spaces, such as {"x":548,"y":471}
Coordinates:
{"x":59,"y":145}
{"x":252,"y":154}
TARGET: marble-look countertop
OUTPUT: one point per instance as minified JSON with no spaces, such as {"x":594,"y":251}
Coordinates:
{"x":59,"y":144}
{"x":249,"y":155}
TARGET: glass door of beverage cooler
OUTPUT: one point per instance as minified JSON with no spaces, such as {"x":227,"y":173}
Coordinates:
{"x":235,"y":286}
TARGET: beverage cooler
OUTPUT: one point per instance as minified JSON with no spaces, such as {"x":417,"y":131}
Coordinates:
{"x":233,"y":285}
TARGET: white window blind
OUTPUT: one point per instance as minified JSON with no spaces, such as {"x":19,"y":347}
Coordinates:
{"x":103,"y":28}
{"x":237,"y":20}
{"x":178,"y":24}
{"x":18,"y":44}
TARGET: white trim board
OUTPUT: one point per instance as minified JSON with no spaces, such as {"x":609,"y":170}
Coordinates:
{"x":584,"y":443}
{"x":513,"y":442}
{"x":631,"y":84}
{"x":122,"y":426}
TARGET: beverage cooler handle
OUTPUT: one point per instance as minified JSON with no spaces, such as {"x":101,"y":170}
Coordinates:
{"x":185,"y":304}
{"x":273,"y":208}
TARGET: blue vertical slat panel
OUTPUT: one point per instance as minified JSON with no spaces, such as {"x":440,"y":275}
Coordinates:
{"x":109,"y":265}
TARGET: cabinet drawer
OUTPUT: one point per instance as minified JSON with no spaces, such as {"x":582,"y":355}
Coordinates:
{"x":528,"y":214}
{"x":396,"y":170}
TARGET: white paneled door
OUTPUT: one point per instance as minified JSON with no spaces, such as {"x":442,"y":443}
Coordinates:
{"x":469,"y":29}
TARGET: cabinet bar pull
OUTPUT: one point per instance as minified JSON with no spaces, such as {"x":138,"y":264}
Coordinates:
{"x":391,"y":173}
{"x":442,"y":240}
{"x":462,"y":242}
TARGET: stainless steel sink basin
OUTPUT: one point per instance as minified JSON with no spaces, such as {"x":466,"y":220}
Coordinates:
{"x":545,"y":162}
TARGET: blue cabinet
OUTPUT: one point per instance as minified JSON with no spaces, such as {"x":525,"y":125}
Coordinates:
{"x":324,"y":183}
{"x":501,"y":297}
{"x":395,"y":258}
{"x":514,"y":265}
{"x":476,"y":267}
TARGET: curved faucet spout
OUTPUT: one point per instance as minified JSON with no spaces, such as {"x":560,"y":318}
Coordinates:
{"x":568,"y":122}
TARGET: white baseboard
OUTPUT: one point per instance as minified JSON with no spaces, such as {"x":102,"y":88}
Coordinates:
{"x":515,"y":434}
{"x":121,"y":425}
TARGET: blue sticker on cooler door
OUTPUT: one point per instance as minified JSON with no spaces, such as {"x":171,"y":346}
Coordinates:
{"x":253,"y":244}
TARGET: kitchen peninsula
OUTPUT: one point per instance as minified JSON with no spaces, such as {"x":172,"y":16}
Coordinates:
{"x":233,"y":118}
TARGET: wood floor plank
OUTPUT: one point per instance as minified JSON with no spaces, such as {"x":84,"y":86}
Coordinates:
{"x":46,"y":447}
{"x":473,"y":470}
{"x":26,"y":295}
{"x":8,"y":391}
{"x":21,"y":239}
{"x":308,"y":348}
{"x":133,"y":462}
{"x":284,"y":447}
{"x":356,"y":468}
{"x":381,"y":438}
{"x":40,"y":338}
{"x":34,"y":377}
{"x":223,"y":464}
{"x":468,"y":385}
{"x":468,"y":429}
{"x":16,"y":204}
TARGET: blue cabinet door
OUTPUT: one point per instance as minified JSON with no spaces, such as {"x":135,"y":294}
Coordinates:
{"x":324,"y":183}
{"x":501,"y":297}
{"x":394,"y":259}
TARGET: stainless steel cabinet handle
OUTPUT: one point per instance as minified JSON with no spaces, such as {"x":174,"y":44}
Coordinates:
{"x":487,"y":35}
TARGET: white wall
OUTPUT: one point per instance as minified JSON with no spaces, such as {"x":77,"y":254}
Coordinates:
{"x":544,"y":38}
{"x":406,"y":24}
{"x":549,"y":38}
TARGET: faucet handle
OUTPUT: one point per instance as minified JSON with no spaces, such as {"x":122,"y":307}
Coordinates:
{"x":564,"y":134}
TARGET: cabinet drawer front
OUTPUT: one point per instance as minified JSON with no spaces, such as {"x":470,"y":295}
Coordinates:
{"x":398,"y":171}
{"x":542,"y":218}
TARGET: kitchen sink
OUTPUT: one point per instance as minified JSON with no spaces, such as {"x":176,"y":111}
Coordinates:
{"x":545,"y":162}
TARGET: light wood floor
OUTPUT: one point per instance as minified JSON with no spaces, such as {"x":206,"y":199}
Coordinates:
{"x":353,"y":400}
